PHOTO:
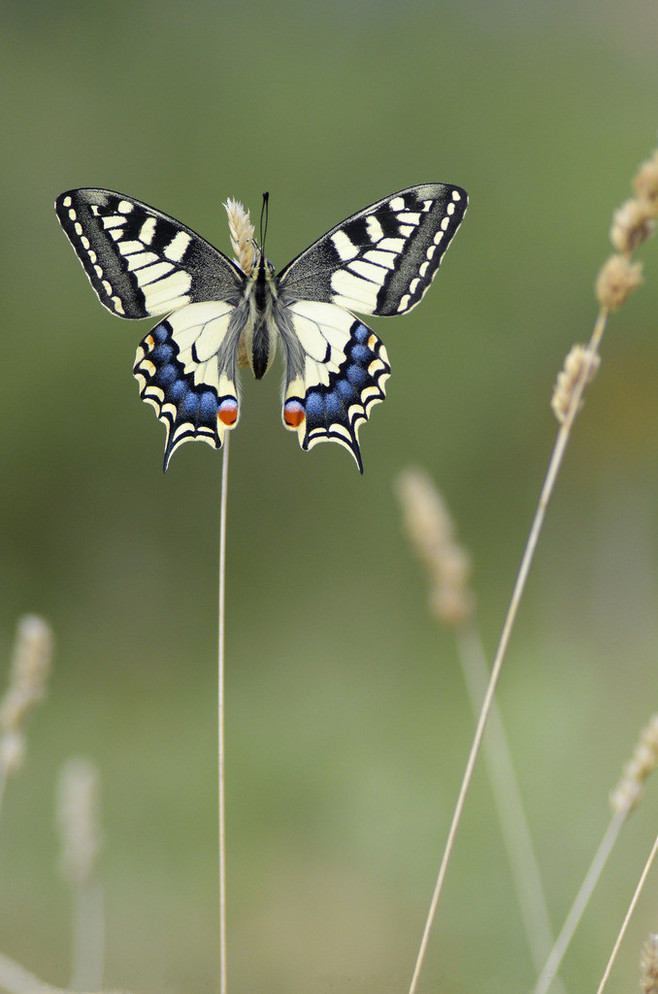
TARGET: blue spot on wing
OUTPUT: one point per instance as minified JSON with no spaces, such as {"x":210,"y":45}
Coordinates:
{"x":359,"y":354}
{"x":166,"y":374}
{"x":356,"y":375}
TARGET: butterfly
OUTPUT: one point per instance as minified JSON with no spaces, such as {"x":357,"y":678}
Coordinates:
{"x":220,"y":315}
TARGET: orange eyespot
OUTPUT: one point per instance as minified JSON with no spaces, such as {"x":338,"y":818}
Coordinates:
{"x":293,"y":414}
{"x":228,"y":413}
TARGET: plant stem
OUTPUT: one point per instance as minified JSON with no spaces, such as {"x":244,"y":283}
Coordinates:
{"x":220,"y":719}
{"x":631,"y":909}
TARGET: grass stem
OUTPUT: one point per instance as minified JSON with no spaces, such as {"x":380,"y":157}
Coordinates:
{"x":631,"y":909}
{"x":220,"y":718}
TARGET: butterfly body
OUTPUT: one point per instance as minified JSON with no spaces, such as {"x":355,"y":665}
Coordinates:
{"x":380,"y":261}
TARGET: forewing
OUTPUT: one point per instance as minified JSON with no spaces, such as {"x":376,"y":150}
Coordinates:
{"x":381,"y":260}
{"x":186,"y":369}
{"x":336,"y":371}
{"x":140,"y":261}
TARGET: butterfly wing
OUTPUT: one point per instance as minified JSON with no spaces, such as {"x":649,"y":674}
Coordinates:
{"x":336,"y":371}
{"x":186,"y":369}
{"x":383,"y":259}
{"x":140,"y":261}
{"x":143,"y":263}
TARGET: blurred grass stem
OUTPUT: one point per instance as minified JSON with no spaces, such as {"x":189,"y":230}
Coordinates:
{"x":580,"y":903}
{"x":88,"y":938}
{"x":220,"y":718}
{"x":507,"y":798}
{"x":519,"y":587}
{"x":17,"y":980}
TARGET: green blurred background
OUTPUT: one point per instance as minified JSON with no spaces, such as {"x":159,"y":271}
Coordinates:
{"x":347,"y":720}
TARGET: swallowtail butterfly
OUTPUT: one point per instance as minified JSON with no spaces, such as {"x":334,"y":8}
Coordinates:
{"x":143,"y":263}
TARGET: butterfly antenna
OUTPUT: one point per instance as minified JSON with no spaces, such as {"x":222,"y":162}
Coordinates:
{"x":264,"y":217}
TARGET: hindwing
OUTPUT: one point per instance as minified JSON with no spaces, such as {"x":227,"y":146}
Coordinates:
{"x":140,"y":261}
{"x":186,"y":369}
{"x":383,"y":259}
{"x":336,"y":371}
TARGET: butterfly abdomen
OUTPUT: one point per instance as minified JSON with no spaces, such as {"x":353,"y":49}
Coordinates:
{"x":260,"y":335}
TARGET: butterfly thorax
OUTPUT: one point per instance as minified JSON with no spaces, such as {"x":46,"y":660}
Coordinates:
{"x":259,"y":337}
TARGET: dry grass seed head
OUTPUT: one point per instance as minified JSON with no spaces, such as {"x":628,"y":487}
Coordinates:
{"x":646,"y":183}
{"x":432,"y":534}
{"x":617,"y":279}
{"x":629,"y":790}
{"x":242,"y":234}
{"x":649,"y":966}
{"x":30,"y":668}
{"x":632,"y":224}
{"x":574,"y":365}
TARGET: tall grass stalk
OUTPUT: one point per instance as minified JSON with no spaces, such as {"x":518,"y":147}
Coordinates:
{"x":220,"y":718}
{"x":616,"y":281}
{"x":242,"y":239}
